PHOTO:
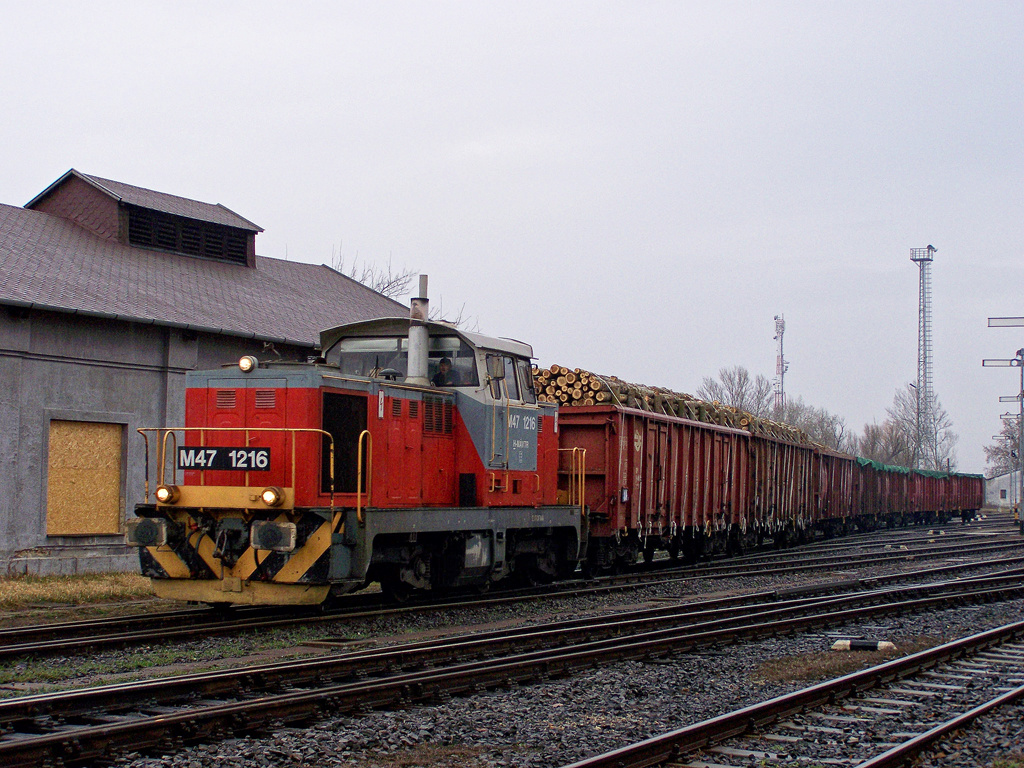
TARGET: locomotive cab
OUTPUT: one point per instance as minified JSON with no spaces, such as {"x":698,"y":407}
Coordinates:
{"x":490,"y":406}
{"x":428,"y":470}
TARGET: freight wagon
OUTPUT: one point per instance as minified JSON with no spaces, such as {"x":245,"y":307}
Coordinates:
{"x":655,"y":481}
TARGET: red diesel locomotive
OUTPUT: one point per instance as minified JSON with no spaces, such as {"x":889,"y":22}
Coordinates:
{"x":417,"y":455}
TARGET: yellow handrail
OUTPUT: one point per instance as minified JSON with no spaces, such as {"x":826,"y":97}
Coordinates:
{"x":169,"y":433}
{"x":161,"y":455}
{"x":368,"y":453}
{"x":498,"y":486}
{"x":577,"y":476}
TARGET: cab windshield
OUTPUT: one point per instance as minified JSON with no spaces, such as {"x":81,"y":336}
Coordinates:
{"x":389,"y":356}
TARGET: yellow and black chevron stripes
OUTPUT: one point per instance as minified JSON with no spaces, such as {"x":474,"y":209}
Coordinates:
{"x":171,"y":563}
{"x":192,"y":570}
{"x":304,"y":558}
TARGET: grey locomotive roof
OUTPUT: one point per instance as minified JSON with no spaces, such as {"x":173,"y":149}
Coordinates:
{"x":157,"y":201}
{"x":48,"y":262}
{"x":391,"y":326}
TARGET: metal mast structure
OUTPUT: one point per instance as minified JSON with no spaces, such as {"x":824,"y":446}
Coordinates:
{"x":1018,"y":362}
{"x":925,"y":438}
{"x":781,"y":366}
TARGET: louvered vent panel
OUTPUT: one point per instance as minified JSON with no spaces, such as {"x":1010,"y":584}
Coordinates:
{"x":438,"y":415}
{"x":234,"y":247}
{"x":166,"y":236}
{"x":213,"y":243}
{"x":266,"y":398}
{"x":226,"y":398}
{"x":140,"y":228}
{"x":155,"y":229}
{"x":414,"y":409}
{"x":191,"y":239}
{"x":396,"y":408}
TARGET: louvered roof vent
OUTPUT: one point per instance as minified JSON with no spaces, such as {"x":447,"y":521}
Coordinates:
{"x":148,"y":219}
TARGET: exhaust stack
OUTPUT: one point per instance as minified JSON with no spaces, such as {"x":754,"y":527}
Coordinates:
{"x":419,"y":339}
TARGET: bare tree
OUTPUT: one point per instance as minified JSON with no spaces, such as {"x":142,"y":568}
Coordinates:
{"x":383,"y":278}
{"x":460,"y":319}
{"x":756,"y":395}
{"x":821,"y":425}
{"x":885,"y":443}
{"x":395,"y":284}
{"x":735,"y":387}
{"x":936,"y":447}
{"x":903,"y":425}
{"x":1002,"y":455}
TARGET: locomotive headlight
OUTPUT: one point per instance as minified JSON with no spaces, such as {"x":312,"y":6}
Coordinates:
{"x":167,"y":494}
{"x":272,"y":496}
{"x":248,"y":363}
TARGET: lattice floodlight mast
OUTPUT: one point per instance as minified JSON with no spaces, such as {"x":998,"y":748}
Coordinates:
{"x":781,"y":366}
{"x":926,"y":438}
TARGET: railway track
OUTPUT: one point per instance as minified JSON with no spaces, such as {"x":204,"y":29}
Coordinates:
{"x":881,"y":717}
{"x":92,"y":724}
{"x":75,"y":638}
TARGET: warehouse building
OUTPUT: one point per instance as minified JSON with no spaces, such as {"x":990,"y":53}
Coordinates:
{"x":1003,"y":491}
{"x":109,"y":293}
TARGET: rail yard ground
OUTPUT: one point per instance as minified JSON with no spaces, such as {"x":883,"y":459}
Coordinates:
{"x":24,"y":592}
{"x":551,"y":723}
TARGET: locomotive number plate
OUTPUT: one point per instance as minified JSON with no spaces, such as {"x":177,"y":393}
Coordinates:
{"x":248,"y":459}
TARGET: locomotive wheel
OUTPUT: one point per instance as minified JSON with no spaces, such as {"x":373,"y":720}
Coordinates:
{"x":735,"y":546}
{"x":690,"y":549}
{"x":532,"y":576}
{"x":649,"y":553}
{"x":566,"y":568}
{"x":396,"y":590}
{"x":527,"y":578}
{"x":673,"y":549}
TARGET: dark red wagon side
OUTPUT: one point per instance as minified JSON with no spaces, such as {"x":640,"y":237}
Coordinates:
{"x":655,"y":481}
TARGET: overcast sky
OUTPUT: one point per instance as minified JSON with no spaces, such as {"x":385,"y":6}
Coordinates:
{"x":632,"y":188}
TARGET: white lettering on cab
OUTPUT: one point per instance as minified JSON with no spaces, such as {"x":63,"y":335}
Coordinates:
{"x":521,"y":421}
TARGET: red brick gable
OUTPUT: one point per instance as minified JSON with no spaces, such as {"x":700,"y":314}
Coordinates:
{"x":84,"y":204}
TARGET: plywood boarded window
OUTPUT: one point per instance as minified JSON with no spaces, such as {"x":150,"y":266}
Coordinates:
{"x":84,"y":488}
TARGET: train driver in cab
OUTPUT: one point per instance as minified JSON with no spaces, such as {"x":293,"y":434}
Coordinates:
{"x":446,"y":376}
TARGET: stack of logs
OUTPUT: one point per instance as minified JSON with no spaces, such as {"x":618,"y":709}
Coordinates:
{"x":575,"y":387}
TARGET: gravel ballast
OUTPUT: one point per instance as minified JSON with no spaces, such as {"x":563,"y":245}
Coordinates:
{"x":557,"y":722}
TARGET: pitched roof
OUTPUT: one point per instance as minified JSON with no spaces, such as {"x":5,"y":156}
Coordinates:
{"x":157,"y":201}
{"x":50,"y":263}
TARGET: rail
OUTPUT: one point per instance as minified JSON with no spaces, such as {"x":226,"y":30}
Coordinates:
{"x":671,"y":746}
{"x":169,"y":434}
{"x":660,"y":630}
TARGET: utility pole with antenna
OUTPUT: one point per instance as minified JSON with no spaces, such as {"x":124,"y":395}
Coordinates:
{"x":781,"y":366}
{"x":925,"y":438}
